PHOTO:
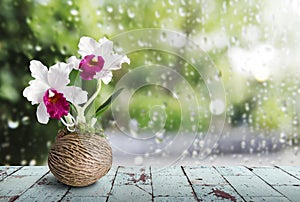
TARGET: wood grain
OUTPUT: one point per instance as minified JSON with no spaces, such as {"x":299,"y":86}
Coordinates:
{"x":174,"y":183}
{"x":80,"y":159}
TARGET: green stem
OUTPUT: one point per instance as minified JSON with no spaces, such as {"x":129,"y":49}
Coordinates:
{"x":81,"y":110}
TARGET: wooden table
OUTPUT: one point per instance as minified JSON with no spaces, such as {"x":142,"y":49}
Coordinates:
{"x":174,"y":183}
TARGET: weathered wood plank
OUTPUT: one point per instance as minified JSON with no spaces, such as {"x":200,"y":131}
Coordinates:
{"x":35,"y":183}
{"x":250,"y":186}
{"x":97,"y":190}
{"x":275,"y":176}
{"x":268,"y":199}
{"x":132,"y":184}
{"x":291,"y":192}
{"x":170,"y":182}
{"x":171,"y":186}
{"x":133,"y":176}
{"x":18,"y":182}
{"x":223,"y":192}
{"x":204,"y":176}
{"x":233,"y":170}
{"x":7,"y":170}
{"x":130,"y":193}
{"x":46,"y":189}
{"x":174,"y":199}
{"x":293,"y":170}
{"x":85,"y":199}
{"x":31,"y":170}
{"x":112,"y":170}
{"x":167,"y":171}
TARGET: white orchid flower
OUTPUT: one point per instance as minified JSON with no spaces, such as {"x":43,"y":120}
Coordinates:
{"x":50,"y":91}
{"x":98,"y":59}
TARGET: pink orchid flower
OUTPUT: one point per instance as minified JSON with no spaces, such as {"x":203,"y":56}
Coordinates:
{"x":50,"y":91}
{"x":98,"y":59}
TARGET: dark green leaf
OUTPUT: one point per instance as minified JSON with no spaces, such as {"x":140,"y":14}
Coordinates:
{"x":108,"y":102}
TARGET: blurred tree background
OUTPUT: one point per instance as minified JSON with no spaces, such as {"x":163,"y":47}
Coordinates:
{"x":254,"y":44}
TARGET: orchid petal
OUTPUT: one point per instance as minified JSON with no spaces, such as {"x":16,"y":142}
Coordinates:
{"x":87,"y":46}
{"x":114,"y":61}
{"x":38,"y":70}
{"x":105,"y":76}
{"x":34,"y":93}
{"x":90,"y":65}
{"x":56,"y":104}
{"x":74,"y":94}
{"x":74,"y":62}
{"x":105,"y":47}
{"x":41,"y":113}
{"x":58,"y":75}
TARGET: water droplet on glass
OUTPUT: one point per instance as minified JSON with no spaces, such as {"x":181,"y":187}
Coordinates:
{"x":121,"y":27}
{"x":32,"y":162}
{"x":282,"y":138}
{"x":243,"y":144}
{"x":70,"y":3}
{"x":181,"y":12}
{"x":130,"y":13}
{"x":48,"y":144}
{"x":217,"y":107}
{"x":157,"y":15}
{"x":133,"y":126}
{"x":23,"y":162}
{"x":194,"y":154}
{"x":74,"y":12}
{"x":13,"y":124}
{"x":296,"y":150}
{"x":7,"y":157}
{"x":139,"y":160}
{"x":38,"y":48}
{"x":25,"y":120}
{"x":109,"y":9}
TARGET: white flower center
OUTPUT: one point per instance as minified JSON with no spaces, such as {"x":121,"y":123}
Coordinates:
{"x":95,"y":59}
{"x":51,"y":93}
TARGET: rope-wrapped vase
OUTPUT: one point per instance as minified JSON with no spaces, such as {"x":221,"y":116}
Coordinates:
{"x":80,"y":159}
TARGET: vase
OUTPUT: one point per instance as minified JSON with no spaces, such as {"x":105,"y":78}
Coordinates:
{"x":79,"y":159}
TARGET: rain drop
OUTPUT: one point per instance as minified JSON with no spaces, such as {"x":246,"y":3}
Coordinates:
{"x":23,"y":162}
{"x":217,"y":107}
{"x":110,"y":9}
{"x":32,"y":162}
{"x":13,"y":124}
{"x":74,"y":12}
{"x":25,"y":120}
{"x":130,"y":13}
{"x":139,"y":160}
{"x":38,"y":48}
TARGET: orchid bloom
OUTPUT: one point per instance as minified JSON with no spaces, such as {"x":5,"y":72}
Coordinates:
{"x":49,"y":89}
{"x":98,"y":59}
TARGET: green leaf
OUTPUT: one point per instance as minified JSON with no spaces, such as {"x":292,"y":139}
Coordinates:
{"x":73,"y":76}
{"x":107,"y":103}
{"x":73,"y":108}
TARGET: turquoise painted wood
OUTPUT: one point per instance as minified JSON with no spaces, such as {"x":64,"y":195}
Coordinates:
{"x":5,"y":171}
{"x":250,"y":186}
{"x":222,"y":192}
{"x":234,"y":171}
{"x":131,"y":184}
{"x":204,"y":176}
{"x":17,"y":183}
{"x":290,"y":192}
{"x":46,"y":189}
{"x":172,"y":183}
{"x":282,"y":178}
{"x":292,"y":170}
